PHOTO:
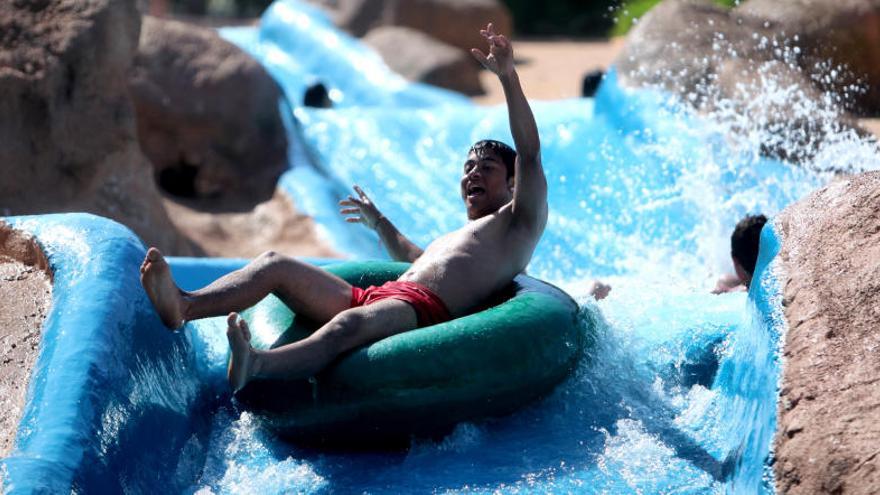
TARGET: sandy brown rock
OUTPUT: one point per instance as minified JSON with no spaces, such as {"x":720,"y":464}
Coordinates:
{"x":207,"y":113}
{"x":679,"y":45}
{"x":872,"y":126}
{"x":67,"y":136}
{"x":455,"y":22}
{"x":842,"y":35}
{"x":25,"y":297}
{"x":271,"y":225}
{"x":740,"y":67}
{"x":419,"y":57}
{"x":829,"y":410}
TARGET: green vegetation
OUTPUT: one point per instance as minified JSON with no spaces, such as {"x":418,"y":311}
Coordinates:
{"x":632,"y":10}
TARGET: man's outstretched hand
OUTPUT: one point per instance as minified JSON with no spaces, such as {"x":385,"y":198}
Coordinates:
{"x":360,"y":209}
{"x":500,"y":58}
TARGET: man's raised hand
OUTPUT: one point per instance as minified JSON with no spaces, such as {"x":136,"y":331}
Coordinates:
{"x":500,"y":58}
{"x":360,"y":209}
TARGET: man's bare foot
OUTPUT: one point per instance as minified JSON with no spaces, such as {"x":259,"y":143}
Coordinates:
{"x":599,"y":290}
{"x":161,"y":289}
{"x":241,"y":363}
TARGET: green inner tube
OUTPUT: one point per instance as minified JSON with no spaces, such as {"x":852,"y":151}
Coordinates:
{"x":424,"y":381}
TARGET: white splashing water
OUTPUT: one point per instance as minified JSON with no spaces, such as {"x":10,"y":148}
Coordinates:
{"x":644,"y":193}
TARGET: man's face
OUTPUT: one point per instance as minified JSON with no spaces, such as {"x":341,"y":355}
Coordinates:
{"x":484,"y":184}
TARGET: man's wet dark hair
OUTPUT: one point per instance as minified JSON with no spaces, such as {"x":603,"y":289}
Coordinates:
{"x":507,"y":154}
{"x":745,"y":240}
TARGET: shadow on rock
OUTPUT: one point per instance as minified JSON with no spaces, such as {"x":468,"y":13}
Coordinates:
{"x":207,"y":117}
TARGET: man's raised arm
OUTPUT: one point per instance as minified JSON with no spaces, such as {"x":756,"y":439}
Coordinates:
{"x":364,"y":211}
{"x":530,"y":190}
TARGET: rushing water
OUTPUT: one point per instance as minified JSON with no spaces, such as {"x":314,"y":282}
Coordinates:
{"x":678,"y":393}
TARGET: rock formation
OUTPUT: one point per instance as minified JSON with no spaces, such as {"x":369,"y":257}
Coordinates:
{"x":272,"y":225}
{"x":25,"y":298}
{"x":454,"y":22}
{"x":418,"y":57}
{"x":680,"y":44}
{"x":841,"y":36}
{"x":835,"y":44}
{"x":67,"y":136}
{"x":739,"y":65}
{"x":829,"y":408}
{"x":207,"y":114}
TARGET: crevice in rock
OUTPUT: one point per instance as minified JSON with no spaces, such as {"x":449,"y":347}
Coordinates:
{"x":180,"y":180}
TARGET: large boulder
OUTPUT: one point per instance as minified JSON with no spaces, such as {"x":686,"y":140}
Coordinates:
{"x":842,"y":36}
{"x":418,"y":57}
{"x":679,"y":45}
{"x":273,"y":225}
{"x":741,"y":68}
{"x":455,"y":22}
{"x":207,"y":114}
{"x":67,"y":135}
{"x":829,"y":407}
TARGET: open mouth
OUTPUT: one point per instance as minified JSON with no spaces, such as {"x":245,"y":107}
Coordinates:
{"x":474,"y":190}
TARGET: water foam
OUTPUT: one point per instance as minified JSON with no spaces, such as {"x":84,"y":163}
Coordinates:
{"x":645,"y":187}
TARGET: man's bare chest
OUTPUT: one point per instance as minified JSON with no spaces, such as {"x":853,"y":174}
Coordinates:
{"x":474,"y":237}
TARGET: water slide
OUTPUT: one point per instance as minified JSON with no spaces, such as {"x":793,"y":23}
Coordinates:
{"x":677,"y":394}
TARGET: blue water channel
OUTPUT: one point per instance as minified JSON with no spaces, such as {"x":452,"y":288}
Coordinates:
{"x":676,"y":395}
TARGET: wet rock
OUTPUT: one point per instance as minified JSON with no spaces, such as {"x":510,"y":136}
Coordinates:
{"x":24,"y":301}
{"x":418,"y":57}
{"x":207,"y":114}
{"x":679,"y":45}
{"x":827,"y":443}
{"x":843,"y":37}
{"x":67,"y":135}
{"x":777,"y":103}
{"x":455,"y":22}
{"x":739,"y":67}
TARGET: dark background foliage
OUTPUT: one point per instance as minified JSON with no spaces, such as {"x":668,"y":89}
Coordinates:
{"x":569,"y":18}
{"x":578,"y":18}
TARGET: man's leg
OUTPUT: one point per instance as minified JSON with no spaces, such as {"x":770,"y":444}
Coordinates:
{"x":304,"y":358}
{"x":308,"y":290}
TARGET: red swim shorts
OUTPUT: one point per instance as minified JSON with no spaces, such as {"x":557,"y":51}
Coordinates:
{"x":430,"y":309}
